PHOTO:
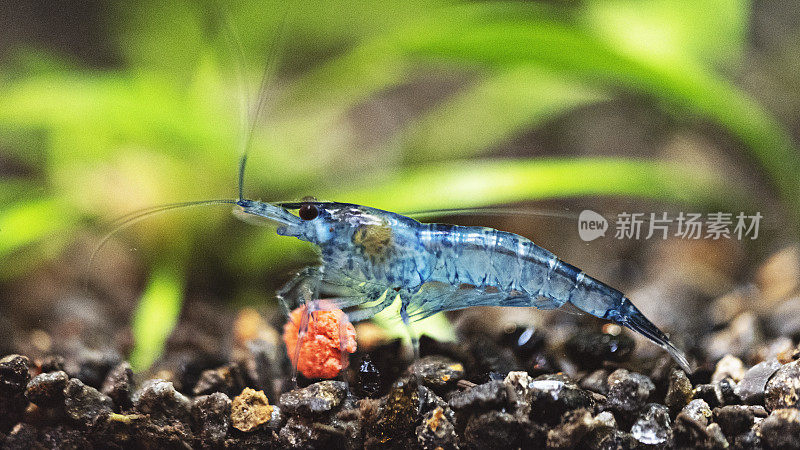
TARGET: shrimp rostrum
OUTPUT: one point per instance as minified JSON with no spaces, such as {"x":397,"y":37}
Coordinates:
{"x":369,"y":257}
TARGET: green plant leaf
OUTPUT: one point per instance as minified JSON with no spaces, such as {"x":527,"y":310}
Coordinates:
{"x":581,"y":54}
{"x":712,"y":31}
{"x":31,"y":221}
{"x":494,"y":110}
{"x":157,"y":313}
{"x":463,"y":184}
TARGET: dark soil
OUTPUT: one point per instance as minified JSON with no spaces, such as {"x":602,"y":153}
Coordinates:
{"x":450,"y":398}
{"x":568,"y":382}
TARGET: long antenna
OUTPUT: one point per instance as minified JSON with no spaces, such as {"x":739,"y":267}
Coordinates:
{"x":267,"y":77}
{"x":235,"y":43}
{"x":129,"y":219}
{"x":247,"y":138}
{"x":493,"y":211}
{"x":242,"y":164}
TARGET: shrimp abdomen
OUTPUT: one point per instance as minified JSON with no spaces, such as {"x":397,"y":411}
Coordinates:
{"x":512,"y":264}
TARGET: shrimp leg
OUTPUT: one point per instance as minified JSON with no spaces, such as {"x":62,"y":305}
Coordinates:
{"x":304,"y":286}
{"x":303,"y":289}
{"x":412,"y":335}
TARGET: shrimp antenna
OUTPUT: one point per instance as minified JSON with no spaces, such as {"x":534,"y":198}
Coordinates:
{"x":242,"y":163}
{"x":246,"y":142}
{"x":479,"y":211}
{"x":233,"y":40}
{"x":264,"y":99}
{"x":129,"y":219}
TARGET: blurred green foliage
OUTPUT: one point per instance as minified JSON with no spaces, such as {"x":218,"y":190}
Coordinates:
{"x":165,"y":123}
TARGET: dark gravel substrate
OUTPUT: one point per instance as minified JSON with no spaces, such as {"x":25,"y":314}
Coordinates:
{"x":458,"y":396}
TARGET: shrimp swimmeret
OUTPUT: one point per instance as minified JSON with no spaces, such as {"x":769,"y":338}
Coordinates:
{"x":367,"y":254}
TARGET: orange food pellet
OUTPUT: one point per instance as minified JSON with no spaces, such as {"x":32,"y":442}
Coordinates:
{"x":320,"y":355}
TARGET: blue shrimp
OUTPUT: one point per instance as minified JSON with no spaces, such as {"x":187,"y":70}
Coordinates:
{"x":369,"y":257}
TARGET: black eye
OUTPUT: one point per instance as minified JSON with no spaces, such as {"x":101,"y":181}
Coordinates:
{"x":308,"y":211}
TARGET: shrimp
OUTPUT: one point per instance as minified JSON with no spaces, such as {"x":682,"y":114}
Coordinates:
{"x":370,"y":257}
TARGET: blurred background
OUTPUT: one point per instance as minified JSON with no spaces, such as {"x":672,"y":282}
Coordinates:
{"x":543,"y":108}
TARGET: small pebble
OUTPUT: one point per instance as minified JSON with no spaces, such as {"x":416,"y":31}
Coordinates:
{"x":698,"y":410}
{"x":250,"y":410}
{"x":711,"y":393}
{"x":396,"y":421}
{"x":159,"y":398}
{"x":692,"y":430}
{"x":318,"y":398}
{"x":734,"y":419}
{"x":84,"y":404}
{"x":781,"y":430}
{"x":226,"y":379}
{"x":483,"y":396}
{"x":783,"y":389}
{"x":518,"y":382}
{"x":493,"y":428}
{"x":727,"y":388}
{"x":579,"y":429}
{"x":212,"y":415}
{"x":679,"y":391}
{"x":119,"y":385}
{"x":606,"y":420}
{"x":596,"y":381}
{"x":574,"y":426}
{"x":428,"y":401}
{"x":653,"y":426}
{"x":301,"y":433}
{"x":550,"y":396}
{"x":715,"y":437}
{"x":437,"y":372}
{"x":47,"y":389}
{"x":369,"y":378}
{"x":751,"y":388}
{"x":91,"y":365}
{"x":14,"y":375}
{"x":436,"y":432}
{"x":628,"y":391}
{"x":729,"y":367}
{"x":14,"y":378}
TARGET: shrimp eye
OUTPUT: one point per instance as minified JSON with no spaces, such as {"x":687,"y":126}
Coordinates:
{"x":308,"y":211}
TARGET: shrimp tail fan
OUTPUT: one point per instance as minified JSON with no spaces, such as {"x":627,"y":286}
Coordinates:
{"x":632,"y":318}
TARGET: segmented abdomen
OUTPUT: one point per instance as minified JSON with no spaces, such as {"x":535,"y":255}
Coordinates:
{"x":483,"y":257}
{"x":490,"y":258}
{"x":511,"y":264}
